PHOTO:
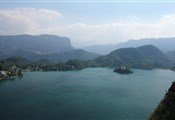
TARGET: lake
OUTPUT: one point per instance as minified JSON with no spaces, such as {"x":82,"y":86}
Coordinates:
{"x":92,"y":93}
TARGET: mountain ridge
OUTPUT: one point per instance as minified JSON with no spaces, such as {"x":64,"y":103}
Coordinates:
{"x":44,"y":46}
{"x":39,"y":43}
{"x":164,"y":44}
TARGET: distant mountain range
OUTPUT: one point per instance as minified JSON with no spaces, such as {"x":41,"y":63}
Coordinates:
{"x":164,"y":44}
{"x":51,"y":47}
{"x":146,"y":57}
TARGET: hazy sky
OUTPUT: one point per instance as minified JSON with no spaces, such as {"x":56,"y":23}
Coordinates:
{"x":89,"y":23}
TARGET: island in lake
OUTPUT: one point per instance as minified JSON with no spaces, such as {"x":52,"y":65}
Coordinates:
{"x":123,"y":70}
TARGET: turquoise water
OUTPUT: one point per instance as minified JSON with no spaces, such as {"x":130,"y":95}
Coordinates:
{"x":93,"y":93}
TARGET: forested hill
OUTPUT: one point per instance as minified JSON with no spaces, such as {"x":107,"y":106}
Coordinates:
{"x":44,"y":65}
{"x":146,"y":57}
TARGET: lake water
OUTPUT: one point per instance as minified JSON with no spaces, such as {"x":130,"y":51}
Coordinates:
{"x":93,"y":93}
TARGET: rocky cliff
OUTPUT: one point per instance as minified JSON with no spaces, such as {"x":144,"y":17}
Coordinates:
{"x":166,"y":108}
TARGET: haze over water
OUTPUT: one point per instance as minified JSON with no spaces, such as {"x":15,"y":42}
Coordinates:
{"x":93,"y":93}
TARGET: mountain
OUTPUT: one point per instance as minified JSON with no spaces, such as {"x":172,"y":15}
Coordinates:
{"x":29,"y":45}
{"x":146,"y":56}
{"x":65,"y":56}
{"x":164,"y":44}
{"x":166,"y":108}
{"x":7,"y":53}
{"x":38,"y":43}
{"x":171,"y":55}
{"x":101,"y":49}
{"x":51,"y":47}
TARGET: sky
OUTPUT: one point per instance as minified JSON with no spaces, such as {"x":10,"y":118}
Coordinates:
{"x":89,"y":23}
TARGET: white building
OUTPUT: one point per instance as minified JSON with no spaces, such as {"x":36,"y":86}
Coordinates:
{"x":2,"y":73}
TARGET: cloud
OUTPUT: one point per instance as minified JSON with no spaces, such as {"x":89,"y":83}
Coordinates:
{"x":83,"y":34}
{"x":33,"y":21}
{"x":24,"y":20}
